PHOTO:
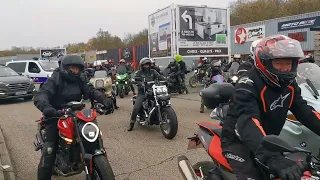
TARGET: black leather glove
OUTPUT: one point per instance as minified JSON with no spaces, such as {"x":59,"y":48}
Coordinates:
{"x":50,"y":112}
{"x":286,"y":168}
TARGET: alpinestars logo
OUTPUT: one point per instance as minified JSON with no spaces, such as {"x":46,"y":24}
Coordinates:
{"x":234,"y":157}
{"x":278,"y":102}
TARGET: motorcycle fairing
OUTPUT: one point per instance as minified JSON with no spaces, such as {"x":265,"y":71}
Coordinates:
{"x":66,"y":128}
{"x":87,"y":115}
{"x":215,"y":150}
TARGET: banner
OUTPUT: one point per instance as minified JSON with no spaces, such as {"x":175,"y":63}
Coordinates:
{"x":299,"y":36}
{"x":249,"y":34}
{"x":160,"y":25}
{"x":52,"y":54}
{"x":299,"y":23}
{"x":203,"y":31}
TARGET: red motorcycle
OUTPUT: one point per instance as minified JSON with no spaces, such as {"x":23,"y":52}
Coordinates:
{"x":80,"y":146}
{"x":208,"y":137}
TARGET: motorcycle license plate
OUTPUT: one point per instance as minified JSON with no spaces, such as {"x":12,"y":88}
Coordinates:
{"x":194,"y":143}
{"x":21,"y":93}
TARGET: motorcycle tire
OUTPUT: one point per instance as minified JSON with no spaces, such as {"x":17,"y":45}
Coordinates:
{"x":205,"y":167}
{"x":102,"y":168}
{"x":193,"y":82}
{"x":172,"y":124}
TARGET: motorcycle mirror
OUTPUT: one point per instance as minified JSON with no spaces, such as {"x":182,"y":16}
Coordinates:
{"x":275,"y":144}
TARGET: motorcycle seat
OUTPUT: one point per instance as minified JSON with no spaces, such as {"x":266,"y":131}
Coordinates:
{"x":216,"y":130}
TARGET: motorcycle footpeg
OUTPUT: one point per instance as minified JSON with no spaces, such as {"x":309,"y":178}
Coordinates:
{"x":37,"y":146}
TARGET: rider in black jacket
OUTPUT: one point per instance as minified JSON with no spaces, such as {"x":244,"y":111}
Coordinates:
{"x":63,"y":86}
{"x":145,"y":74}
{"x":259,"y":107}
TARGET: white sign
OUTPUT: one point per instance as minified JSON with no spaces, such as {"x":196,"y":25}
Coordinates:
{"x":102,"y":52}
{"x":202,"y":31}
{"x":51,"y":54}
{"x":160,"y":28}
{"x":249,"y":34}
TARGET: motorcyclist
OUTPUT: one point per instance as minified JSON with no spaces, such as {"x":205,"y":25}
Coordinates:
{"x":98,"y":66}
{"x":235,"y":64}
{"x":124,"y":68}
{"x":214,"y":69}
{"x":183,"y":68}
{"x":63,"y":86}
{"x":259,"y":107}
{"x":154,"y":66}
{"x":146,"y":73}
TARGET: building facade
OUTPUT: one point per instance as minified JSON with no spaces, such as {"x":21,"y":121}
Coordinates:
{"x":296,"y":27}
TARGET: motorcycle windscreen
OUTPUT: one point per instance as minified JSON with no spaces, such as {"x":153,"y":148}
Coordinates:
{"x":217,"y":78}
{"x":309,"y":71}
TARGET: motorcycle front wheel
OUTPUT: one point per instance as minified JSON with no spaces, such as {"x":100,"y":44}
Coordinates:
{"x":169,"y":128}
{"x":193,"y":82}
{"x":101,"y":169}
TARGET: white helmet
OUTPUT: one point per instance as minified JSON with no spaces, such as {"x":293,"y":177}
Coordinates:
{"x":253,"y":47}
{"x":237,"y":56}
{"x":97,"y":63}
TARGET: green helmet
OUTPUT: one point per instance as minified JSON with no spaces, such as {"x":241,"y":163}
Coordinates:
{"x":178,"y":58}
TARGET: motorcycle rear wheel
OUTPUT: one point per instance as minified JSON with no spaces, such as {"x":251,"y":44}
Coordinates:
{"x":193,"y":82}
{"x":171,"y":129}
{"x":102,"y":168}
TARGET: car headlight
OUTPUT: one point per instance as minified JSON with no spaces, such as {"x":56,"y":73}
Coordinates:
{"x":234,"y":78}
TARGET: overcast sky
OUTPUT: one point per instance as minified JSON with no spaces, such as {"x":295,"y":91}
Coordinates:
{"x":40,"y":23}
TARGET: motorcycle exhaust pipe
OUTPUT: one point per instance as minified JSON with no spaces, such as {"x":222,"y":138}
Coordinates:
{"x":186,"y":169}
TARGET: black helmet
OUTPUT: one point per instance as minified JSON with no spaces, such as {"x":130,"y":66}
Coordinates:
{"x":71,"y":60}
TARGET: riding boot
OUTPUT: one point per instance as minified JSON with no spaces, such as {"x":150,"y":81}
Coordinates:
{"x":131,"y":125}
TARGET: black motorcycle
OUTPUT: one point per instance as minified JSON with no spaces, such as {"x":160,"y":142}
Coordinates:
{"x":80,"y":146}
{"x":174,"y":85}
{"x":156,"y":108}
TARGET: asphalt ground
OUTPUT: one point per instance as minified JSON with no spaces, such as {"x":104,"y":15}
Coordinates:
{"x":138,"y":155}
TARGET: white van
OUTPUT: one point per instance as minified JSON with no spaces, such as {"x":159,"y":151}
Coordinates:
{"x":38,"y":70}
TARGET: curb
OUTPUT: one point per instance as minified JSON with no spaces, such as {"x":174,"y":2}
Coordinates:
{"x":6,"y":169}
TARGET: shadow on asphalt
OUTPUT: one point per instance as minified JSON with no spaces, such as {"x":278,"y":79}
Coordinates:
{"x":13,"y":101}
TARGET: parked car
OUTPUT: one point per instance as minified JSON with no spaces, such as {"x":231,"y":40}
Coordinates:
{"x":13,"y":85}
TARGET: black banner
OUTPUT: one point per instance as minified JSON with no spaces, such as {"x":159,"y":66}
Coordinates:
{"x":203,"y":51}
{"x":299,"y":23}
{"x":127,"y":54}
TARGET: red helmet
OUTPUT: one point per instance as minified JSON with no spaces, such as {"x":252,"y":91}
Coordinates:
{"x":277,"y":47}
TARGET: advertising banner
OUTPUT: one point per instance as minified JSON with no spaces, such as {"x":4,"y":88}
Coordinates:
{"x":160,"y":28}
{"x":249,"y":34}
{"x":127,"y":54}
{"x":203,"y":31}
{"x":52,"y":54}
{"x":299,"y":36}
{"x":299,"y":23}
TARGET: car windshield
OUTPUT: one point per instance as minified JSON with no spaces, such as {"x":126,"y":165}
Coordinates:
{"x":49,"y":65}
{"x":100,"y":74}
{"x":309,"y":71}
{"x":6,"y":71}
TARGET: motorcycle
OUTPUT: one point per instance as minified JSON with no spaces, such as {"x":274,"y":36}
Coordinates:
{"x":199,"y":73}
{"x":156,"y":108}
{"x":173,"y":84}
{"x":103,"y":82}
{"x":123,"y":84}
{"x":208,"y":137}
{"x":299,"y":135}
{"x":215,"y":94}
{"x":207,"y":82}
{"x":80,"y":146}
{"x":233,"y":79}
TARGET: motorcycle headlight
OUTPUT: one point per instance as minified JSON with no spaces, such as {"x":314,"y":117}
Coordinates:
{"x":196,"y":71}
{"x":162,"y":90}
{"x":99,"y":83}
{"x":90,"y":131}
{"x":126,"y":82}
{"x":234,"y":78}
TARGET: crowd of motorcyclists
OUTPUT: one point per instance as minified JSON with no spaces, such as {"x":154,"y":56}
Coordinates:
{"x":70,"y":82}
